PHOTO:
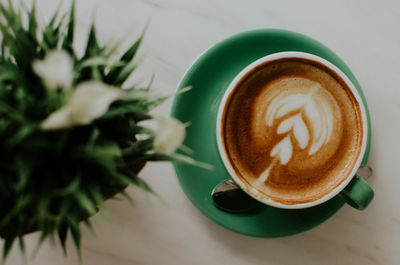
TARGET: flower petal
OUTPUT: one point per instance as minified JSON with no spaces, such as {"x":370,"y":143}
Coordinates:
{"x":90,"y":100}
{"x":57,"y":120}
{"x":169,"y":135}
{"x":56,"y":69}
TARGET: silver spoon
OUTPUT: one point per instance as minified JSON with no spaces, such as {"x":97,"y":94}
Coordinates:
{"x":228,"y":197}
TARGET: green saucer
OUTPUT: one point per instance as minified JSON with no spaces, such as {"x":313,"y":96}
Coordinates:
{"x":209,"y":76}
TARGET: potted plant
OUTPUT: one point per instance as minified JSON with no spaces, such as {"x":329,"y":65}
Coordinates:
{"x":71,"y":128}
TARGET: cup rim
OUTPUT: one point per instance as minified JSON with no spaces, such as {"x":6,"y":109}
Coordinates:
{"x":220,"y":142}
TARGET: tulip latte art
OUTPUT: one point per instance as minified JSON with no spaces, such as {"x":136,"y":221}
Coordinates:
{"x":292,"y":130}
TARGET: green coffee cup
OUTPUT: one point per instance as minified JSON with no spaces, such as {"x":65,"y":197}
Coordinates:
{"x":353,"y":189}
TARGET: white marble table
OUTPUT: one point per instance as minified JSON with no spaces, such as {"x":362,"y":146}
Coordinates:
{"x":172,"y":231}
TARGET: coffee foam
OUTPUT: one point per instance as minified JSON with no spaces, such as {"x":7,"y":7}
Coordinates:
{"x":292,"y":130}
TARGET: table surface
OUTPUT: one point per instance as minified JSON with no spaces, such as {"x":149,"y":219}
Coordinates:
{"x":171,"y":230}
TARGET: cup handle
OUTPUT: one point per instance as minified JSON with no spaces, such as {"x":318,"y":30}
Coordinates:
{"x":358,"y":194}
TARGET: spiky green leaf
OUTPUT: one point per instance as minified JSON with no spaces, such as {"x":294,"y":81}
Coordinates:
{"x":119,"y":74}
{"x":8,"y":243}
{"x":69,"y":38}
{"x":32,"y":26}
{"x":62,"y":233}
{"x":76,"y":237}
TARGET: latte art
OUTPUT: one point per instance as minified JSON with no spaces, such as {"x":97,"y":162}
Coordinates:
{"x":319,"y":113}
{"x":304,"y":104}
{"x":292,"y":130}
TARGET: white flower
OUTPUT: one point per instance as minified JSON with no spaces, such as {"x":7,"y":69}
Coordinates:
{"x":89,"y":101}
{"x":56,"y":69}
{"x":169,"y":136}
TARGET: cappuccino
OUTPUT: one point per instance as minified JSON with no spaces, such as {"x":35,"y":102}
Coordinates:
{"x":292,"y":130}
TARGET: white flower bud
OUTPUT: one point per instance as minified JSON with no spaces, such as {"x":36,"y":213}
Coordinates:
{"x":169,"y":136}
{"x":89,"y":101}
{"x":56,"y":69}
{"x":58,"y":119}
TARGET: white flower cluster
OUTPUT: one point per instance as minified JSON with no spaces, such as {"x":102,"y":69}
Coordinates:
{"x":91,"y":99}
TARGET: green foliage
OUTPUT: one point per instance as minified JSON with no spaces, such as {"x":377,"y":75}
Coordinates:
{"x":52,"y":180}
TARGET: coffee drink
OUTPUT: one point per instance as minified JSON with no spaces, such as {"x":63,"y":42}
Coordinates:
{"x":292,"y":130}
